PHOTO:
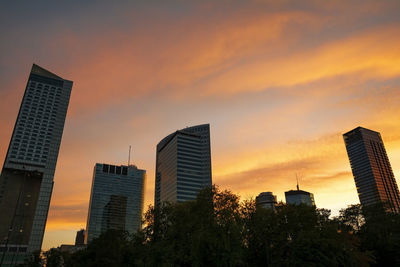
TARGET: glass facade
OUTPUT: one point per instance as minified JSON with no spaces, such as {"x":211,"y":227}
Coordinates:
{"x":27,"y":177}
{"x":266,"y":200}
{"x":183,"y":164}
{"x":297,"y":197}
{"x":371,"y":168}
{"x":116,"y":200}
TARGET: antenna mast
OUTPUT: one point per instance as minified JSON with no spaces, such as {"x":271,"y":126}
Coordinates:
{"x":297,"y":179}
{"x":129,"y":157}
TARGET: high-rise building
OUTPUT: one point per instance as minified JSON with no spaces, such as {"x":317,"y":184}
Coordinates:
{"x":26,"y":181}
{"x":80,"y":237}
{"x":266,"y":200}
{"x":371,"y":168}
{"x":183,"y":164}
{"x":116,"y":200}
{"x":297,"y":197}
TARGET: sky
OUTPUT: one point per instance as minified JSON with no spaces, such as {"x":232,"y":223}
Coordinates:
{"x":278,"y":81}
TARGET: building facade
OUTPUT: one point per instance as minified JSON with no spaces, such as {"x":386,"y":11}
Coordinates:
{"x":183,"y":164}
{"x":116,"y":200}
{"x":297,"y":197}
{"x":371,"y":168}
{"x":266,"y":200}
{"x":80,"y":238}
{"x":26,"y":181}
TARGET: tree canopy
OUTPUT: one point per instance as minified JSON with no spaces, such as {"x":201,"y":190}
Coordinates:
{"x":217,"y":229}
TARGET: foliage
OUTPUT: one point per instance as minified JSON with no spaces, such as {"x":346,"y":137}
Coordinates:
{"x":218,"y":230}
{"x":379,"y":233}
{"x":54,"y":258}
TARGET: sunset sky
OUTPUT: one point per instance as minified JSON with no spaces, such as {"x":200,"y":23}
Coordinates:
{"x":279,"y":83}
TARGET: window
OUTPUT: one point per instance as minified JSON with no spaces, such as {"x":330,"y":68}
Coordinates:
{"x":112,"y":169}
{"x":105,"y":168}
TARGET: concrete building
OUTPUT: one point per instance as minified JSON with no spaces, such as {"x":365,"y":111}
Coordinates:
{"x":371,"y":168}
{"x":26,"y":181}
{"x":266,"y":200}
{"x":183,"y":164}
{"x":116,"y":200}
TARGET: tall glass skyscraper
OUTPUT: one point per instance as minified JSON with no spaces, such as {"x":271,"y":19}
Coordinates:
{"x":116,"y":200}
{"x":183,"y":164}
{"x":26,"y":181}
{"x":371,"y":168}
{"x":297,"y":197}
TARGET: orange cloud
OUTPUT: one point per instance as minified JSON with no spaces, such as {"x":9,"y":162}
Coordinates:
{"x":364,"y":55}
{"x":279,"y":84}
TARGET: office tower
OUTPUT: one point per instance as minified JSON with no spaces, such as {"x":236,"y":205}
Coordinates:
{"x":371,"y":168}
{"x":297,"y":197}
{"x":26,"y":181}
{"x":183,"y":164}
{"x":116,"y":200}
{"x":80,"y":237}
{"x":266,"y":200}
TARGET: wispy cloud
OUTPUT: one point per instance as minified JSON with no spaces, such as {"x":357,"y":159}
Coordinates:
{"x":279,"y":82}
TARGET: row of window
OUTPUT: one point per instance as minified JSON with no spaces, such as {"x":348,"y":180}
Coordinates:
{"x":115,"y":169}
{"x":13,"y":249}
{"x":44,"y":86}
{"x":41,"y":109}
{"x":35,"y":159}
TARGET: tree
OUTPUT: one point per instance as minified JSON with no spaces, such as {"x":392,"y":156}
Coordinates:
{"x":216,"y":229}
{"x":206,"y":231}
{"x":381,"y":234}
{"x":110,"y":249}
{"x":297,"y":235}
{"x":352,"y":217}
{"x":54,"y":258}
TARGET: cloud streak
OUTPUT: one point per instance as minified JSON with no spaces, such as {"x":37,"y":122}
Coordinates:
{"x":279,"y":82}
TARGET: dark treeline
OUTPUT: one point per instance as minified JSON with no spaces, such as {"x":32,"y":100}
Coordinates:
{"x":218,"y":230}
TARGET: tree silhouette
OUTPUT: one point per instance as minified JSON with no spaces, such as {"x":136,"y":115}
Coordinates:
{"x":217,"y":229}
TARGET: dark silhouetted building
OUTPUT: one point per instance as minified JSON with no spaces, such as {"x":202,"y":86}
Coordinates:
{"x":26,"y":181}
{"x":371,"y":168}
{"x":183,"y":164}
{"x":70,"y":248}
{"x":116,"y":200}
{"x":297,"y":197}
{"x":80,"y":237}
{"x":266,"y":200}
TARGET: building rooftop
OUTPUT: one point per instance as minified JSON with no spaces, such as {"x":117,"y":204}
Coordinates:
{"x":36,"y":69}
{"x":297,"y":192}
{"x":360,"y":129}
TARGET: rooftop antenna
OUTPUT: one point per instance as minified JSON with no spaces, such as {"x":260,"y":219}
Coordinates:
{"x":297,"y":179}
{"x":129,"y":157}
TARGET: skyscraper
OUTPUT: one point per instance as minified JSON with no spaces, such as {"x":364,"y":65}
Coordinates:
{"x":371,"y":168}
{"x":183,"y":164}
{"x":26,"y":181}
{"x":297,"y":197}
{"x":116,"y":200}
